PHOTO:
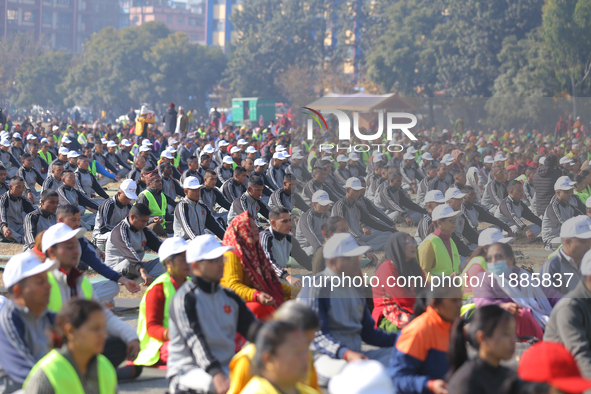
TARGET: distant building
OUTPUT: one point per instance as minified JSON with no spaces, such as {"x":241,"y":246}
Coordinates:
{"x":62,"y":24}
{"x":177,"y":19}
{"x":218,"y":24}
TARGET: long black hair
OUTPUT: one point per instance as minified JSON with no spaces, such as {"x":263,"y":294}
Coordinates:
{"x":485,"y":319}
{"x":396,"y":252}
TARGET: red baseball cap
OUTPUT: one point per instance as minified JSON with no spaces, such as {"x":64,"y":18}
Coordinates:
{"x":552,"y":363}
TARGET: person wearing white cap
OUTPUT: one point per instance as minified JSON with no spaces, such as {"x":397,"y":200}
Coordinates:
{"x":438,"y":254}
{"x":484,"y":173}
{"x":62,"y":156}
{"x":558,"y":211}
{"x":512,"y":210}
{"x":287,"y":197}
{"x":191,"y":216}
{"x":153,"y":328}
{"x":31,"y":176}
{"x":8,"y":160}
{"x":70,"y":194}
{"x":86,"y":179}
{"x":341,"y":173}
{"x":426,"y":160}
{"x":566,"y":162}
{"x":46,"y":153}
{"x":441,"y":182}
{"x":60,"y":244}
{"x":204,"y":365}
{"x":127,"y":244}
{"x":354,"y":165}
{"x":364,"y":227}
{"x":566,"y":261}
{"x":332,"y":181}
{"x":17,"y":146}
{"x":374,"y":179}
{"x":100,"y":158}
{"x":343,"y":312}
{"x":39,"y":163}
{"x":221,"y":152}
{"x":297,"y":169}
{"x":495,"y":190}
{"x":112,"y":211}
{"x":225,"y":171}
{"x":251,"y":153}
{"x":143,"y":120}
{"x":432,"y":199}
{"x":363,"y":377}
{"x":3,"y":183}
{"x":236,"y":154}
{"x":260,"y":170}
{"x":25,"y":322}
{"x":410,"y":176}
{"x":250,"y":201}
{"x":54,"y":179}
{"x":116,"y":160}
{"x":146,"y":152}
{"x":397,"y":204}
{"x":423,"y":186}
{"x":275,"y":171}
{"x":170,"y":186}
{"x":309,"y":228}
{"x":12,"y":206}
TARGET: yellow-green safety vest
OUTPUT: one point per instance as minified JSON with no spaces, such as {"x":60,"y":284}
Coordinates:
{"x":177,"y":159}
{"x":55,"y":295}
{"x":476,"y":260}
{"x":150,"y":347}
{"x":153,"y":205}
{"x":92,"y":167}
{"x":443,"y":263}
{"x":64,"y":379}
{"x":311,"y":156}
{"x":46,"y":156}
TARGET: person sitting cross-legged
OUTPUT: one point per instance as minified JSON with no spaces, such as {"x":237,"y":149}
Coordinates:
{"x":112,"y":211}
{"x":40,"y":219}
{"x":69,"y":194}
{"x":12,"y":206}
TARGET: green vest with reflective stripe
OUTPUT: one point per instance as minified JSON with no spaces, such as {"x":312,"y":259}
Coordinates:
{"x":443,"y":263}
{"x":55,"y":296}
{"x":150,"y":347}
{"x":153,"y":205}
{"x":476,"y":260}
{"x":553,"y":254}
{"x":311,"y":156}
{"x":177,"y":159}
{"x":92,"y":167}
{"x":64,"y":379}
{"x":46,"y":156}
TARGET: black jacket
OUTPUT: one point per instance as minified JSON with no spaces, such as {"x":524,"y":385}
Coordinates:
{"x":544,"y":180}
{"x":170,"y":120}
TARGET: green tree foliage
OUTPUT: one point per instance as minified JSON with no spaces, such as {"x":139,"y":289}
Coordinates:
{"x":272,"y":36}
{"x":38,"y":78}
{"x":16,"y":50}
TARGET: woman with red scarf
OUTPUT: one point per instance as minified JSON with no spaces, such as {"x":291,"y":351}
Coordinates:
{"x":248,"y":271}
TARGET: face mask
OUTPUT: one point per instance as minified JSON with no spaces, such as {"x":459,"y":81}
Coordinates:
{"x":498,"y":267}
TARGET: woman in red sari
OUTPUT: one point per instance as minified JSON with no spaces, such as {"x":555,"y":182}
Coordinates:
{"x":401,"y":276}
{"x":248,"y":271}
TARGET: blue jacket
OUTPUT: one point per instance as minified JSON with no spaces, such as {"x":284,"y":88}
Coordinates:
{"x":90,"y":258}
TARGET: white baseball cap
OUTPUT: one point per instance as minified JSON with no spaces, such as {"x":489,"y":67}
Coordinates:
{"x":444,"y":211}
{"x":296,"y":149}
{"x":517,"y":149}
{"x":165,"y":154}
{"x":453,"y":192}
{"x":63,"y":150}
{"x":342,"y":159}
{"x":259,"y":162}
{"x":435,"y":196}
{"x":577,"y":227}
{"x":235,"y":149}
{"x":327,"y":158}
{"x":375,"y":379}
{"x":353,"y":156}
{"x":205,"y":247}
{"x":111,"y":144}
{"x":492,"y":235}
{"x":228,"y":160}
{"x":66,"y":140}
{"x":55,"y":128}
{"x":447,"y":159}
{"x":208,"y":149}
{"x":44,"y":141}
{"x":145,"y":148}
{"x":488,"y":159}
{"x":588,"y":202}
{"x":17,"y":136}
{"x":542,"y":160}
{"x":251,"y":149}
{"x":285,"y":154}
{"x":377,"y":158}
{"x":343,"y":245}
{"x":191,"y":182}
{"x":31,"y":137}
{"x":444,"y":131}
{"x":146,"y":142}
{"x":129,"y":188}
{"x":171,"y":150}
{"x":585,"y":266}
{"x":565,"y":160}
{"x":125,"y":142}
{"x":223,"y":143}
{"x":412,"y":150}
{"x":353,"y":183}
{"x":73,"y":154}
{"x":297,"y":155}
{"x":5,"y":142}
{"x":408,"y":156}
{"x":172,"y":246}
{"x":104,"y":141}
{"x":173,"y":141}
{"x":278,"y":155}
{"x":426,"y":156}
{"x":500,"y":157}
{"x":242,"y":142}
{"x":24,"y":265}
{"x":564,"y":183}
{"x":59,"y":233}
{"x":279,"y":148}
{"x":321,"y":197}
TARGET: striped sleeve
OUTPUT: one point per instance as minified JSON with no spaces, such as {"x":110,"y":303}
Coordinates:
{"x":506,"y":208}
{"x":104,"y":213}
{"x":3,"y":207}
{"x":30,"y":229}
{"x":181,"y":213}
{"x":266,"y":240}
